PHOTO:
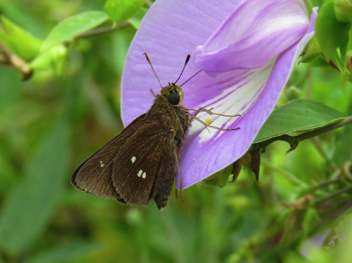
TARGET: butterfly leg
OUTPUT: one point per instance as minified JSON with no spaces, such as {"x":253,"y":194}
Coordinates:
{"x":179,"y":174}
{"x":212,"y":113}
{"x":194,"y":116}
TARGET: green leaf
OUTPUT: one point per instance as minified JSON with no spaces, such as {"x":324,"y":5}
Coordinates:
{"x":343,"y":10}
{"x":349,"y":46}
{"x":339,"y":59}
{"x":220,"y":178}
{"x":30,"y":205}
{"x":341,"y":228}
{"x":330,"y":33}
{"x":310,"y":9}
{"x":66,"y":253}
{"x":121,"y":10}
{"x":316,"y":2}
{"x":136,"y":20}
{"x":311,"y":50}
{"x":298,"y":117}
{"x":21,"y":42}
{"x":318,"y":62}
{"x":72,"y":27}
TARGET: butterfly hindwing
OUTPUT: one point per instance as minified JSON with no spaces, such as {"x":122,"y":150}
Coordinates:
{"x":164,"y":178}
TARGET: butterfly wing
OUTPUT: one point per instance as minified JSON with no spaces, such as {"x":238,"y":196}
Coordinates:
{"x":134,"y":167}
{"x":144,"y":168}
{"x":94,"y":175}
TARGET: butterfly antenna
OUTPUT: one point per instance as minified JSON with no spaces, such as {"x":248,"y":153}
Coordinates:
{"x":184,"y":66}
{"x":150,"y":63}
{"x":190,"y":78}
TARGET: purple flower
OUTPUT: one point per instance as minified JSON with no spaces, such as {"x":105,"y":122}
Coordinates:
{"x":249,"y":46}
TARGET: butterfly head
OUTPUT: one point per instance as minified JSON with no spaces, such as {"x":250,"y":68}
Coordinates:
{"x":173,"y":93}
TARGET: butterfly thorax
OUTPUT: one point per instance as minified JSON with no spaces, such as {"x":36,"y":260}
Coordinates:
{"x":168,"y":106}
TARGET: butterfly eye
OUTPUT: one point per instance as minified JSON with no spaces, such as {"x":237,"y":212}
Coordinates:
{"x":173,"y":98}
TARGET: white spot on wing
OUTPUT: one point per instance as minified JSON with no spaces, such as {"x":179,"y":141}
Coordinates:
{"x":144,"y":175}
{"x":133,"y":159}
{"x":101,"y":164}
{"x":140,"y":173}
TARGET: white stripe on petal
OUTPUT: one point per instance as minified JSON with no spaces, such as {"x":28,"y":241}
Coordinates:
{"x":236,"y":99}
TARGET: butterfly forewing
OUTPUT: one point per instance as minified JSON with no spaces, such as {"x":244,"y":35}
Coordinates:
{"x":134,"y":167}
{"x":94,"y":175}
{"x":140,"y":162}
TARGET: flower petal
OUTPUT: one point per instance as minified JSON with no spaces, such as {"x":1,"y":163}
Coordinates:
{"x":254,"y":33}
{"x":201,"y":157}
{"x":170,"y":31}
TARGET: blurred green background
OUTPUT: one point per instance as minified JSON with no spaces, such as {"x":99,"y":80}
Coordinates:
{"x":52,"y":122}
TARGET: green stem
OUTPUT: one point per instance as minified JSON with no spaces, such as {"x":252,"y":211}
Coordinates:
{"x":308,"y":135}
{"x":149,"y":3}
{"x":324,"y":183}
{"x":8,"y":58}
{"x":325,"y":198}
{"x":317,"y":145}
{"x":309,"y":84}
{"x":102,"y":30}
{"x":324,"y":129}
{"x":288,"y":175}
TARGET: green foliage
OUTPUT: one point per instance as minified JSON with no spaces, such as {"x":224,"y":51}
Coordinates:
{"x":49,"y":124}
{"x":66,"y":253}
{"x":316,"y":2}
{"x":53,"y":59}
{"x":72,"y":27}
{"x":310,"y":8}
{"x":121,"y":10}
{"x":311,"y":50}
{"x":137,"y":19}
{"x":14,"y":37}
{"x":29,"y":206}
{"x":298,"y":117}
{"x":332,"y":35}
{"x":343,"y":150}
{"x":343,"y":10}
{"x":9,"y":92}
{"x":220,"y":178}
